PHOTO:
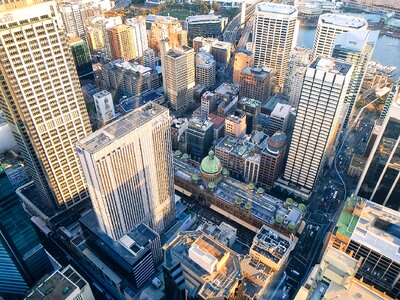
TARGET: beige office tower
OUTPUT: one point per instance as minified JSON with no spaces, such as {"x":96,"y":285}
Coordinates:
{"x":167,"y":29}
{"x":317,"y":121}
{"x":242,"y":60}
{"x":205,"y":69}
{"x":121,"y":42}
{"x":73,"y":17}
{"x":299,"y":59}
{"x":94,"y":37}
{"x":139,"y":34}
{"x":42,"y":101}
{"x":128,"y":167}
{"x":329,"y":26}
{"x":274,"y":36}
{"x":178,"y":71}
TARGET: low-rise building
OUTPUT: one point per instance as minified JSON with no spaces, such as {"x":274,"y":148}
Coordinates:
{"x":212,"y":268}
{"x":252,"y":109}
{"x":235,"y":125}
{"x":103,"y":102}
{"x":66,"y":284}
{"x":210,"y":26}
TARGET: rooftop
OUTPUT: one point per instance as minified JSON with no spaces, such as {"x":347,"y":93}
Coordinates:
{"x":330,"y":66}
{"x":226,"y":88}
{"x":271,"y":244}
{"x":378,"y":228}
{"x":275,"y":8}
{"x":250,"y":102}
{"x":59,"y":285}
{"x":129,"y":249}
{"x":178,"y":52}
{"x":257,"y":72}
{"x":204,"y":59}
{"x":119,"y":128}
{"x":128,"y":103}
{"x":221,"y":45}
{"x":211,"y":164}
{"x":281,"y":110}
{"x":127,"y":66}
{"x":343,"y":21}
{"x":203,"y":18}
{"x":220,"y":282}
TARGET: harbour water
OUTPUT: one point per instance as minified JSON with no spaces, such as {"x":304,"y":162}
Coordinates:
{"x":387,"y":49}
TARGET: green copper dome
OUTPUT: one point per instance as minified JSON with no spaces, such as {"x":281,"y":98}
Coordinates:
{"x":211,"y":164}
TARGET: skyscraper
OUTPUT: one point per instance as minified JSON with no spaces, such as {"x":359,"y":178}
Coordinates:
{"x":317,"y":121}
{"x":274,"y":36}
{"x":355,"y":47}
{"x":379,"y":181}
{"x":128,"y":167}
{"x":178,"y":76}
{"x":330,"y":25}
{"x":73,"y":17}
{"x":168,"y":29}
{"x":139,"y":34}
{"x":42,"y":101}
{"x":299,"y":59}
{"x":121,"y":41}
{"x":256,"y":83}
{"x":94,"y":37}
{"x":23,"y":259}
{"x":82,"y":58}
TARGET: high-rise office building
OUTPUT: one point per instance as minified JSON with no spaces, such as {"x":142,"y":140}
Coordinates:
{"x":379,"y":181}
{"x":82,"y":58}
{"x":243,"y":59}
{"x":299,"y":59}
{"x":205,"y":69}
{"x":205,"y":25}
{"x":279,"y":118}
{"x":274,"y":36}
{"x":355,"y":47}
{"x":139,"y":34}
{"x":256,"y":83}
{"x":149,"y":58}
{"x":23,"y":260}
{"x":121,"y":39}
{"x":317,"y":121}
{"x":73,"y":18}
{"x":128,"y":167}
{"x":329,"y":26}
{"x":178,"y":76}
{"x":42,"y":101}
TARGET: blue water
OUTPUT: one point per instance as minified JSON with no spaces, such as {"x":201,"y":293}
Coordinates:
{"x":386,"y":52}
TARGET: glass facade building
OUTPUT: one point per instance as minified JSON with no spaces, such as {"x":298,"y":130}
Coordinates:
{"x":23,"y":260}
{"x":380,"y":180}
{"x":83,"y":60}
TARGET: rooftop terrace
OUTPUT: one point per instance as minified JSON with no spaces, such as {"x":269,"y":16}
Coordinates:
{"x":343,"y":21}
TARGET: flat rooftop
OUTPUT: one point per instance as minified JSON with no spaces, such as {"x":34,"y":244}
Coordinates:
{"x":343,"y":21}
{"x":128,"y":66}
{"x":281,"y":110}
{"x":226,"y":88}
{"x":276,"y":8}
{"x":250,"y":102}
{"x":271,"y":244}
{"x":379,"y":229}
{"x":55,"y":287}
{"x":203,"y":18}
{"x":330,"y":66}
{"x":175,"y":53}
{"x":119,"y":128}
{"x":218,"y":284}
{"x":257,"y":72}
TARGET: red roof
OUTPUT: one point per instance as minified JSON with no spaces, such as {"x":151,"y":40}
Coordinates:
{"x":217,"y":120}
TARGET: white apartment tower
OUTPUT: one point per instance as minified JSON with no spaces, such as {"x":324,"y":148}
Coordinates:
{"x":317,"y":121}
{"x":274,"y":36}
{"x":41,"y":98}
{"x":329,"y":26}
{"x":178,"y":75}
{"x":73,"y":18}
{"x":139,"y":34}
{"x":128,"y":167}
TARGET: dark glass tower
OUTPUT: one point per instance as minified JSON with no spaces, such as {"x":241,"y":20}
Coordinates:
{"x":23,"y":260}
{"x":380,"y":181}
